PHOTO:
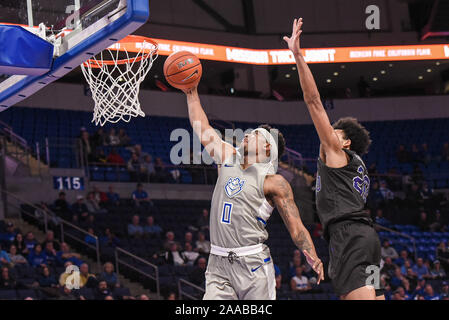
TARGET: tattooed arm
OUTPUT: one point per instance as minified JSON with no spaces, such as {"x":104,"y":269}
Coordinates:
{"x":279,"y":193}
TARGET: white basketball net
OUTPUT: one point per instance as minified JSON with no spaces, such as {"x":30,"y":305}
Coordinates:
{"x":115,"y":87}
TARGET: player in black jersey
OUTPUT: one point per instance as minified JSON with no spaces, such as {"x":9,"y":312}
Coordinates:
{"x":342,"y":187}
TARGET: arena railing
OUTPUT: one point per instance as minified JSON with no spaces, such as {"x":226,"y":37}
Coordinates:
{"x":42,"y":215}
{"x":154,"y":277}
{"x":16,"y":146}
{"x":402,"y":235}
{"x":205,"y":174}
{"x":182,"y":293}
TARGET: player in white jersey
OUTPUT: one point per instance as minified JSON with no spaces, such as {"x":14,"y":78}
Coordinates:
{"x":247,"y":190}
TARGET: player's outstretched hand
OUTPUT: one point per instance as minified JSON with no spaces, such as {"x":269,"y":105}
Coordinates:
{"x":190,"y":90}
{"x":316,"y":265}
{"x":293,"y":41}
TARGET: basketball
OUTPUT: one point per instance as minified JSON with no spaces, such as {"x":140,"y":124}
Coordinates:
{"x":183,"y":70}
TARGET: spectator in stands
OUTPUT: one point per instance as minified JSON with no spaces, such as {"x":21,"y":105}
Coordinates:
{"x":64,"y":275}
{"x":443,"y":255}
{"x":113,"y":197}
{"x":7,"y":281}
{"x":387,"y":251}
{"x":79,"y":208}
{"x":140,"y":197}
{"x":5,"y":260}
{"x":402,"y":154}
{"x":445,"y":152}
{"x":143,"y":297}
{"x":420,"y":269}
{"x":65,"y":255}
{"x":135,"y":230}
{"x":99,"y":196}
{"x":190,"y":255}
{"x":50,"y":253}
{"x":172,"y":296}
{"x":386,"y":193}
{"x":19,"y":242}
{"x":10,"y":233}
{"x":93,"y":206}
{"x":169,"y":239}
{"x":299,"y":283}
{"x":102,"y":291}
{"x":16,"y":257}
{"x":437,"y":272}
{"x":197,"y":276}
{"x":375,"y":197}
{"x":37,"y":256}
{"x":100,"y":157}
{"x":380,"y":219}
{"x":109,"y":276}
{"x":202,"y":245}
{"x":388,"y":268}
{"x":46,"y":279}
{"x":61,"y":204}
{"x":87,"y":279}
{"x":89,"y":223}
{"x":30,"y":241}
{"x":112,"y":138}
{"x":151,"y":229}
{"x":403,"y":257}
{"x":175,"y":256}
{"x":115,"y":158}
{"x":429,"y":293}
{"x":123,"y":138}
{"x":394,"y":179}
{"x":397,"y":278}
{"x":406,"y":266}
{"x":109,"y":239}
{"x":298,"y":261}
{"x":90,"y":238}
{"x":400,"y":294}
{"x":426,"y":192}
{"x":86,"y":147}
{"x":161,"y":173}
{"x":50,"y":237}
{"x":437,"y":225}
{"x":188,"y":237}
{"x":134,"y":166}
{"x":148,"y":170}
{"x":98,"y":139}
{"x":444,"y":291}
{"x":67,"y":294}
{"x":203,"y":222}
{"x":423,"y":222}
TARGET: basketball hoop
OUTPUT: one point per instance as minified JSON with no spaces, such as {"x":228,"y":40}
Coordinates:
{"x":114,"y":78}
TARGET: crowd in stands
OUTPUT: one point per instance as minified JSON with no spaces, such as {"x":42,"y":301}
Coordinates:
{"x":45,"y":270}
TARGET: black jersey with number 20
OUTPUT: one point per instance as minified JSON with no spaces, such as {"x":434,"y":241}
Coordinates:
{"x":341,"y":192}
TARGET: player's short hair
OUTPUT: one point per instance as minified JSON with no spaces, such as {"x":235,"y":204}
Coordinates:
{"x":280,"y":138}
{"x":359,"y":136}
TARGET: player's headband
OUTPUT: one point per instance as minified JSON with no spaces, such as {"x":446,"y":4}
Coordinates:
{"x":274,"y":146}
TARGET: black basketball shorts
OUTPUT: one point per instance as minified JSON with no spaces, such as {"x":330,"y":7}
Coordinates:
{"x":354,"y":252}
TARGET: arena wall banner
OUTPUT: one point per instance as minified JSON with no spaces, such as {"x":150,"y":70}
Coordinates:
{"x":312,"y":55}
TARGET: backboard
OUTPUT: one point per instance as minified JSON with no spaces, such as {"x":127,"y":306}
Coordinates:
{"x":78,"y":30}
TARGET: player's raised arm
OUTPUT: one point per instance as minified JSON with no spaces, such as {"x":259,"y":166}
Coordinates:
{"x":279,"y":191}
{"x":218,"y":149}
{"x":328,"y":137}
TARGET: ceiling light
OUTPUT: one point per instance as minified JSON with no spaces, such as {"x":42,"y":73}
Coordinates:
{"x":390,"y":65}
{"x":335,"y":73}
{"x":375,"y":79}
{"x":429,"y":70}
{"x":328,"y":80}
{"x":383,"y":71}
{"x":420,"y":77}
{"x":293,"y":68}
{"x":437,"y":63}
{"x":342,"y":66}
{"x":287,"y":75}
